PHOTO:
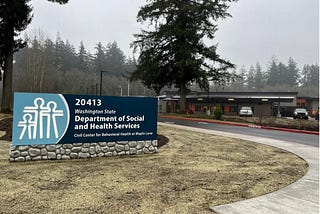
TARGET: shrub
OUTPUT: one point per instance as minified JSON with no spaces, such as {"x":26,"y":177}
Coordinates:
{"x":217,"y":113}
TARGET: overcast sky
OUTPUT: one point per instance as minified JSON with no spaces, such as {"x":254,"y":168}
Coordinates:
{"x":258,"y":30}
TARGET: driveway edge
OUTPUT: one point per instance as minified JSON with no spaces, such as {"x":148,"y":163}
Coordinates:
{"x":242,"y":124}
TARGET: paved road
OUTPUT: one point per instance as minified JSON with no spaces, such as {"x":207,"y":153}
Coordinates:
{"x":306,"y":139}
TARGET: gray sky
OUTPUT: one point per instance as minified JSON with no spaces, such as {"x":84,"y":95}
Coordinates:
{"x":258,"y":30}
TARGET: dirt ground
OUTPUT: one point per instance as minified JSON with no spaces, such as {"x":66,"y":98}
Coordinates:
{"x":188,"y":174}
{"x":6,"y":126}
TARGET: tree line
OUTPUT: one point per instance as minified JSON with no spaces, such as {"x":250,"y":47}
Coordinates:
{"x":278,"y":76}
{"x":57,"y":66}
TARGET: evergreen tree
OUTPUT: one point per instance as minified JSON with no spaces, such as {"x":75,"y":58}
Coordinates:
{"x":49,"y":50}
{"x":115,"y":59}
{"x":83,"y":59}
{"x":305,"y":75}
{"x":58,"y":53}
{"x":99,"y":61}
{"x":84,"y":66}
{"x":310,"y":76}
{"x":174,"y":53}
{"x":251,"y":77}
{"x":258,"y":77}
{"x":292,"y":73}
{"x":130,"y":65}
{"x":273,"y":73}
{"x":314,"y":74}
{"x":309,"y":81}
{"x":282,"y":76}
{"x":15,"y":16}
{"x":69,"y":57}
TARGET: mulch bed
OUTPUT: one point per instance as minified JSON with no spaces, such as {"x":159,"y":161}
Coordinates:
{"x":162,"y":140}
{"x":6,"y":125}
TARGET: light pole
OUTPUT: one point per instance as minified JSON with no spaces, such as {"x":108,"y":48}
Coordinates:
{"x":101,"y":80}
{"x":128,"y":79}
{"x":128,"y":88}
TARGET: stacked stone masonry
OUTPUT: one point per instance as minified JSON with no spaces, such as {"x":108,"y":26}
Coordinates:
{"x":81,"y":150}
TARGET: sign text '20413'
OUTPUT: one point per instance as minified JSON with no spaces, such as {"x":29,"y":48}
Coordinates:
{"x":88,"y":102}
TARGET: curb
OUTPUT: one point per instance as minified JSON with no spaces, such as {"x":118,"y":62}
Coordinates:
{"x":242,"y":125}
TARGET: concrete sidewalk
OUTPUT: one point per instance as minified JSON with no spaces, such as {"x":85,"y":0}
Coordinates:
{"x":301,"y":197}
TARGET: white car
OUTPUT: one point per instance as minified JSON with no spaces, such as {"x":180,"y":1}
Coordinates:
{"x":300,"y":113}
{"x":246,"y":111}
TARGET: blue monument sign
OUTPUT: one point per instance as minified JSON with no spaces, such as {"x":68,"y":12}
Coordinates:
{"x":64,"y":119}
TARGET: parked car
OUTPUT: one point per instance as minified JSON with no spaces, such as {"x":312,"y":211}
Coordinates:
{"x":300,"y":113}
{"x":246,"y":111}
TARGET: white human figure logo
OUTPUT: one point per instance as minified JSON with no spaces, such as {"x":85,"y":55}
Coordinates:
{"x":50,"y":112}
{"x":27,"y":124}
{"x":40,"y":112}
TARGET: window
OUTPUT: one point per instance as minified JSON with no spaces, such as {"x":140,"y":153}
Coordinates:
{"x":198,"y":107}
{"x":233,"y":109}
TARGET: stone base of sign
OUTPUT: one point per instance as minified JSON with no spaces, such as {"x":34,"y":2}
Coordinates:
{"x":81,"y":150}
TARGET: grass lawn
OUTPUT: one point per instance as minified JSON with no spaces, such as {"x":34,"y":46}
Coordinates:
{"x":187,"y":175}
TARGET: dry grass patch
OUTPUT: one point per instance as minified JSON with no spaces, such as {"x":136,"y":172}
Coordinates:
{"x":188,"y":174}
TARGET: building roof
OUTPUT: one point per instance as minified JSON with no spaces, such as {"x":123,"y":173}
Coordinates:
{"x":237,"y":96}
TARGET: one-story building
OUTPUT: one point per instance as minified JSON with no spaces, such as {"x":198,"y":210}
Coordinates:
{"x":262,"y":103}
